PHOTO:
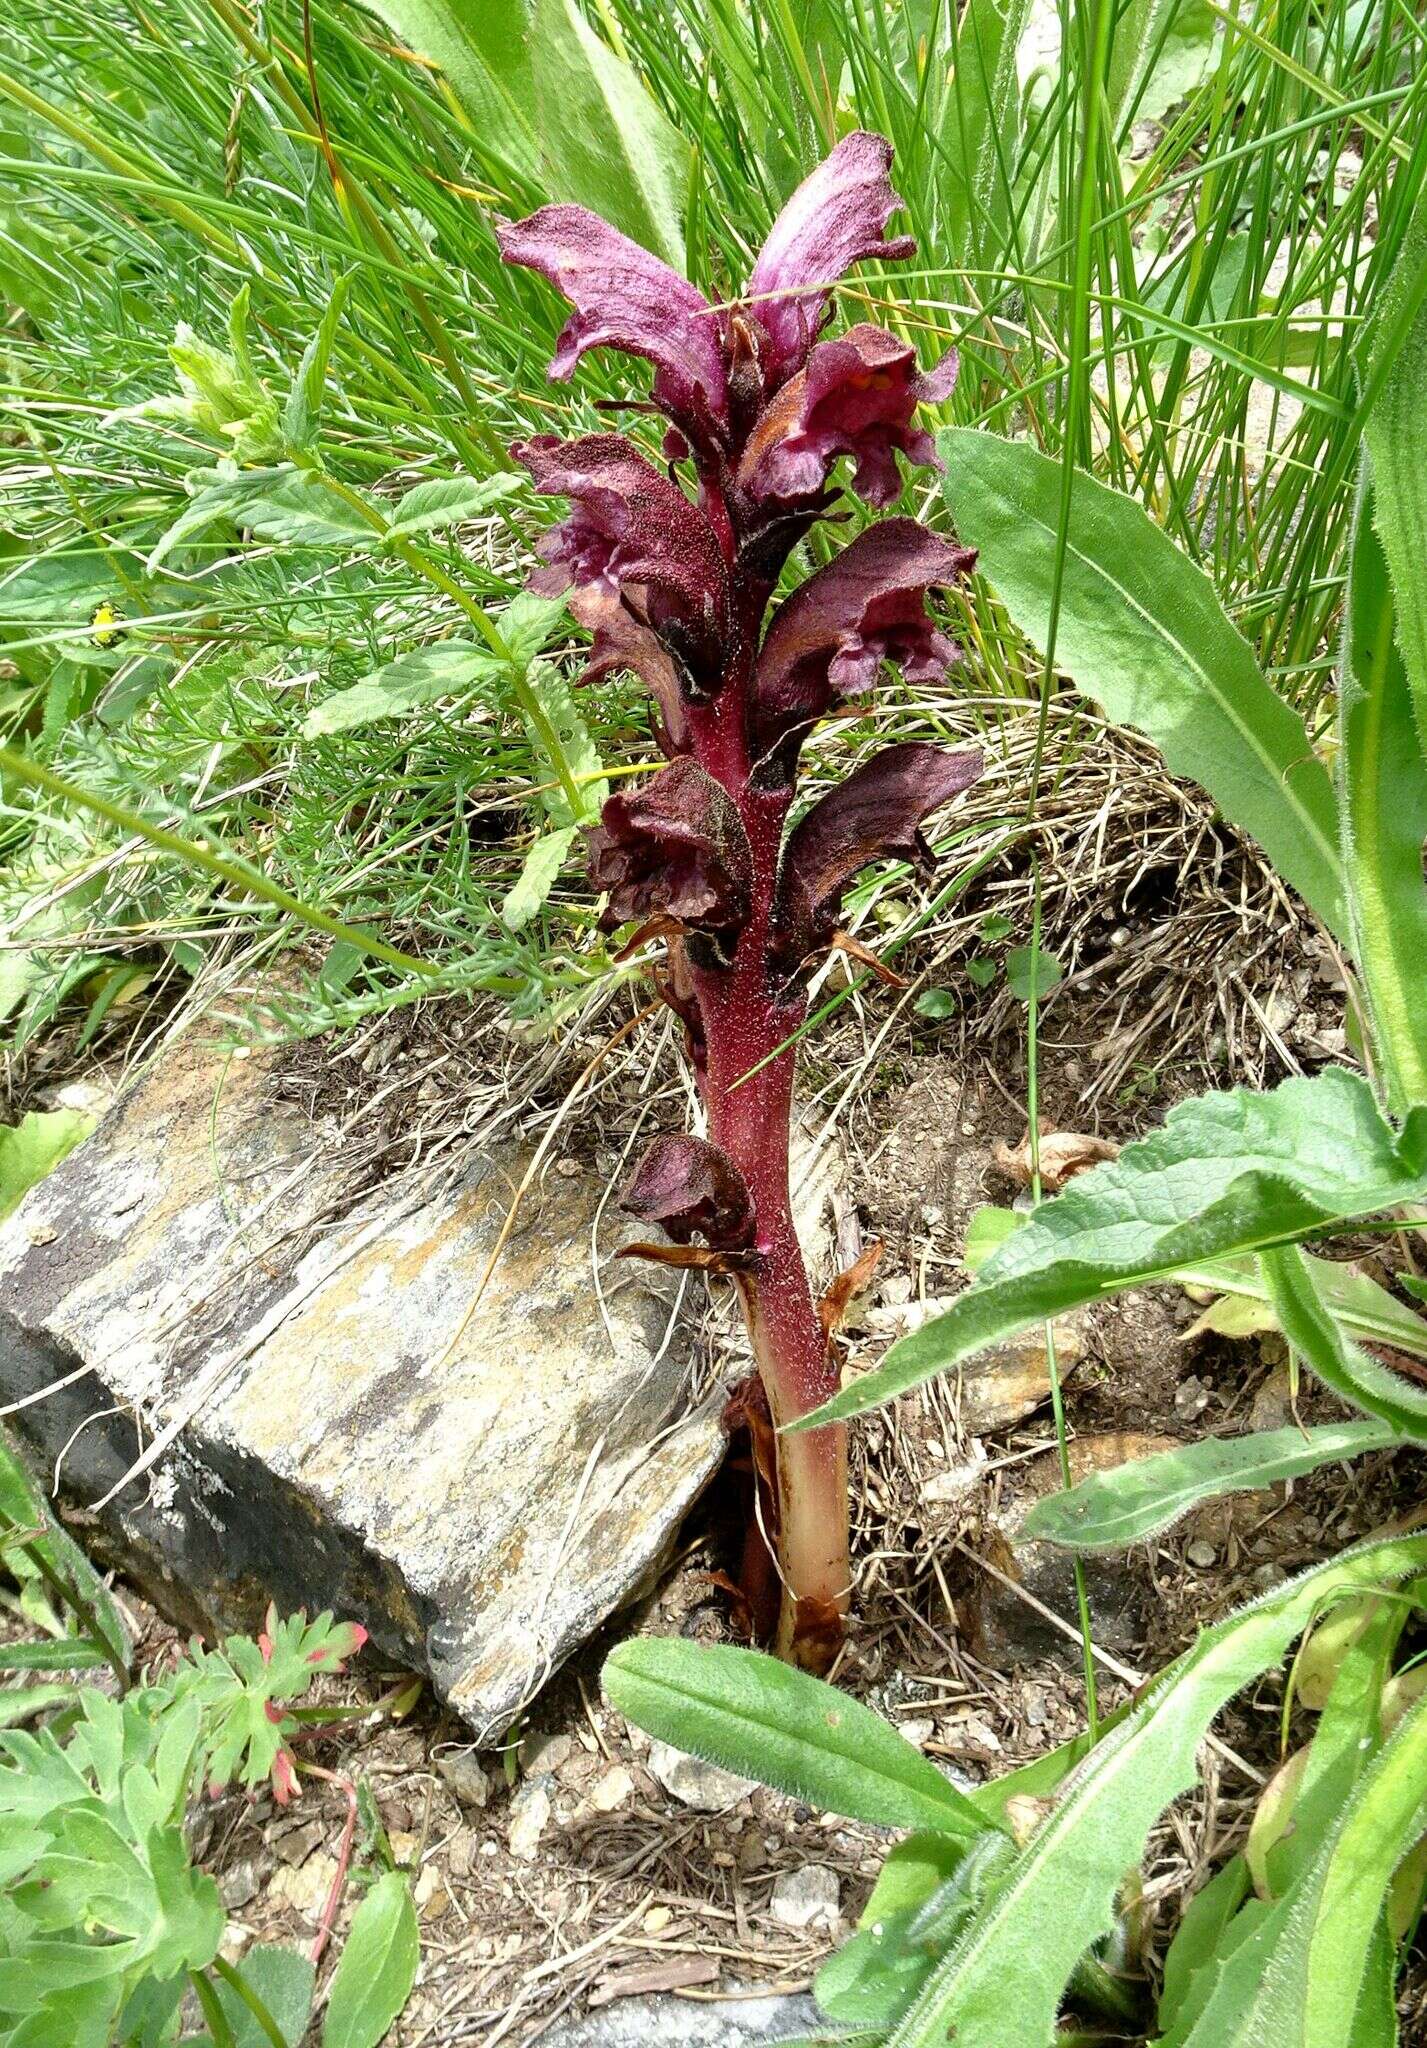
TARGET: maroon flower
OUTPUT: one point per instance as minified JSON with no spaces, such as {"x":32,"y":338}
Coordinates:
{"x":688,"y":1185}
{"x":835,"y":218}
{"x":830,"y":638}
{"x":620,"y":641}
{"x":675,"y":844}
{"x":632,"y":532}
{"x":625,"y":298}
{"x":855,"y":396}
{"x":876,"y":814}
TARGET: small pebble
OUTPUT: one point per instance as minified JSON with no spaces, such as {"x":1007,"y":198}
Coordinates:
{"x":807,"y":1898}
{"x":529,"y":1818}
{"x":611,"y":1791}
{"x":1191,"y":1398}
{"x":694,"y":1783}
{"x":1201,"y":1553}
{"x":466,"y":1778}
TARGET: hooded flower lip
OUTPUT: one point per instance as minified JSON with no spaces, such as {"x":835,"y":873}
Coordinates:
{"x":855,"y":396}
{"x":876,"y":814}
{"x":867,"y":606}
{"x":625,"y":298}
{"x":675,"y":844}
{"x":685,"y":1185}
{"x":633,"y":533}
{"x":620,"y":641}
{"x":837,"y":216}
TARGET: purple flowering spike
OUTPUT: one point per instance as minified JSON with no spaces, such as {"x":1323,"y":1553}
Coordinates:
{"x":876,"y":814}
{"x":675,"y":845}
{"x":625,"y":298}
{"x":688,"y":1185}
{"x":830,"y":638}
{"x":855,"y":396}
{"x":835,"y":218}
{"x":632,"y":532}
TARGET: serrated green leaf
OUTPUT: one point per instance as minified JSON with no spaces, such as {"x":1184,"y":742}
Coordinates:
{"x":32,"y":1148}
{"x":448,"y":501}
{"x":1005,"y":1978}
{"x":1224,"y":1175}
{"x":751,"y":1714}
{"x":373,"y":1980}
{"x":282,"y":503}
{"x":413,"y":680}
{"x":303,"y":410}
{"x":538,"y":874}
{"x":1110,"y":1510}
{"x":1142,"y":631}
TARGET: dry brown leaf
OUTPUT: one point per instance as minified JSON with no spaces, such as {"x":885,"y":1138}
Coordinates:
{"x":1063,"y":1154}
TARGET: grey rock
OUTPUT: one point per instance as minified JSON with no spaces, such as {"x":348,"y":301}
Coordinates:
{"x":694,"y":1783}
{"x":807,"y":1898}
{"x":680,"y":2023}
{"x":530,"y":1815}
{"x":465,"y":1776}
{"x":325,"y":1420}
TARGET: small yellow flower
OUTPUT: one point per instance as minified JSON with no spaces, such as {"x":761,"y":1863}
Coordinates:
{"x":105,"y":623}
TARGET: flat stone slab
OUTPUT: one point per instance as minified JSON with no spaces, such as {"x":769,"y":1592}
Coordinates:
{"x":319,"y":1414}
{"x":690,"y":2023}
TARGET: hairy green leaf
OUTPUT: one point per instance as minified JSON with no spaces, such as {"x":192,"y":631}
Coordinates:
{"x":1394,"y":360}
{"x":981,"y":128}
{"x":413,"y":680}
{"x":1141,"y":630}
{"x":538,"y":875}
{"x":373,"y":1980}
{"x":1351,"y":1372}
{"x":448,"y":500}
{"x":751,"y":1714}
{"x":1109,"y":1510}
{"x":1005,"y":1978}
{"x":1383,"y":805}
{"x":282,"y":1980}
{"x":1224,"y":1175}
{"x":282,"y":503}
{"x":483,"y":47}
{"x":606,"y":143}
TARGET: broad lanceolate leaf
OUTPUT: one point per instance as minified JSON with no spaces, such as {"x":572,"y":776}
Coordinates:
{"x":406,"y":684}
{"x":605,"y":141}
{"x":1395,"y":430}
{"x":1314,"y":1960}
{"x":981,"y":128}
{"x":448,"y":500}
{"x":1142,"y":631}
{"x":1351,"y":1372}
{"x":1383,"y":806}
{"x":1224,"y":1175}
{"x":282,"y":1981}
{"x":1366,"y":1310}
{"x":768,"y":1721}
{"x":1004,"y":1980}
{"x":373,"y":1980}
{"x":1111,"y":1509}
{"x":483,"y":47}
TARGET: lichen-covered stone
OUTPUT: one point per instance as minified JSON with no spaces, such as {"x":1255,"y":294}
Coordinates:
{"x":481,"y":1488}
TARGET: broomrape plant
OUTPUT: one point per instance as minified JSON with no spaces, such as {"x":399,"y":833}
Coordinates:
{"x":675,"y":585}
